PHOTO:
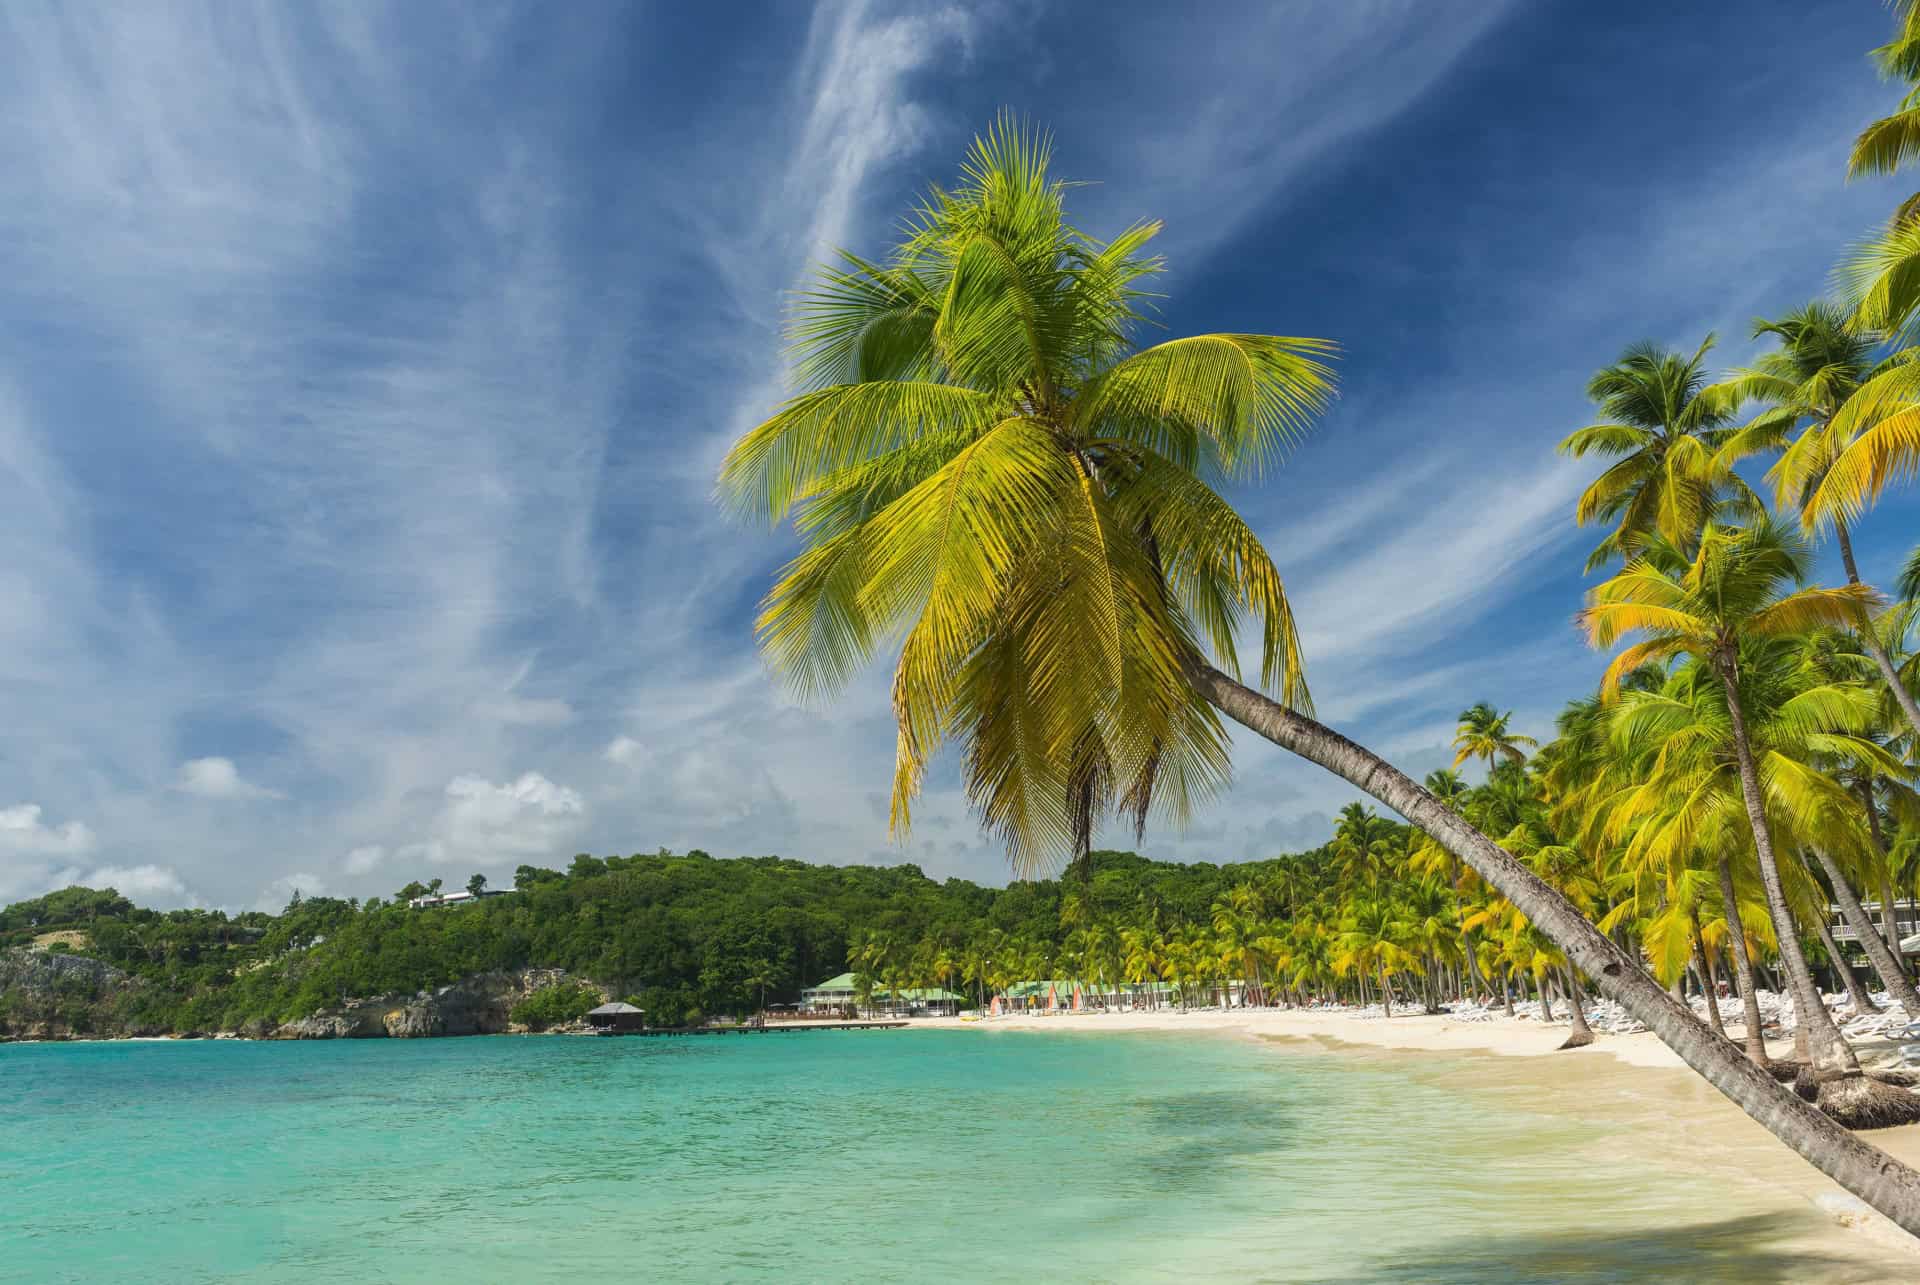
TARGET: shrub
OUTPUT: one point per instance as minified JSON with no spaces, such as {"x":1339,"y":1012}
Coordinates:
{"x":552,"y":1005}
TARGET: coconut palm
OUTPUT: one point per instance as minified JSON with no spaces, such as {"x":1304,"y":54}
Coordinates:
{"x":981,"y":457}
{"x":1823,"y":393}
{"x":1483,"y":735}
{"x":1734,"y":591}
{"x":1888,"y":144}
{"x":1373,"y":937}
{"x":982,"y":464}
{"x":1659,"y":415}
{"x":1885,"y":273}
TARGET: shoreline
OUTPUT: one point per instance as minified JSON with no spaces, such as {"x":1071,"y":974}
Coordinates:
{"x":1631,"y":1087}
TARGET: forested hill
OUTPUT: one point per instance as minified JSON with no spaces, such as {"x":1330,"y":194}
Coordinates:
{"x":679,"y":933}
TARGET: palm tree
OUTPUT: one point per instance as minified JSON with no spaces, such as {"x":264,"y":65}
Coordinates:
{"x":1886,"y":145}
{"x":1373,"y":938}
{"x":1733,"y":591}
{"x":1823,"y":393}
{"x":1483,"y":735}
{"x":1658,"y":414}
{"x":980,"y":459}
{"x":1885,"y":273}
{"x":976,"y":965}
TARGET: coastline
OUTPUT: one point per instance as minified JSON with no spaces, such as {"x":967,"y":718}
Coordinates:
{"x":1635,"y":1092}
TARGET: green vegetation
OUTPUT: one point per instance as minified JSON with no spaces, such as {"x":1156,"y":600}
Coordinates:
{"x":555,"y":1004}
{"x":676,"y":934}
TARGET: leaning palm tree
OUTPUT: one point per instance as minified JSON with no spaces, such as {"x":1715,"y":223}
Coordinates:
{"x":983,"y":465}
{"x":1734,"y":592}
{"x":1659,"y":415}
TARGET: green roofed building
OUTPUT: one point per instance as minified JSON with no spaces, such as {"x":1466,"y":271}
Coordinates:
{"x":830,"y":998}
{"x":837,"y":996}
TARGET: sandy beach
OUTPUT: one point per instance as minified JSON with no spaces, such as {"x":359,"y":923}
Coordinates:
{"x":1636,"y":1093}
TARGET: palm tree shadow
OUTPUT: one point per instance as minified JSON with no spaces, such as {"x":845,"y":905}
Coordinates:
{"x":1743,"y":1249}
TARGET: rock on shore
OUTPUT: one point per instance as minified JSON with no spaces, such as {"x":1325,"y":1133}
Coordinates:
{"x":478,"y":1005}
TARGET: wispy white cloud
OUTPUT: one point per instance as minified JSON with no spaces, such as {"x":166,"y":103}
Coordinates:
{"x":362,"y":389}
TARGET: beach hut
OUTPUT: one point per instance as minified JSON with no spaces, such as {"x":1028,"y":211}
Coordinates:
{"x":616,"y":1018}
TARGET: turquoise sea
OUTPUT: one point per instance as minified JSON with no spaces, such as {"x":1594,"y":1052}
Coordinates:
{"x":875,"y":1156}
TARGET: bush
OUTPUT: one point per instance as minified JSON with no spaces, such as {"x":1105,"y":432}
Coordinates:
{"x":552,"y":1005}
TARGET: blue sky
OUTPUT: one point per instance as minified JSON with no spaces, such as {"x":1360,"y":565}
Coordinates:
{"x":363,"y":372}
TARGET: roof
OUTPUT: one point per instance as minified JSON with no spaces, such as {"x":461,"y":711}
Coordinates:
{"x":605,"y":1009}
{"x":844,"y":982}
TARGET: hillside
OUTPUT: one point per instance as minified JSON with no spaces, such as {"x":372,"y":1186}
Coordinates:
{"x":680,"y":934}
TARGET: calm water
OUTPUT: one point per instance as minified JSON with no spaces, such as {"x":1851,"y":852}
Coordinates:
{"x":910,"y":1156}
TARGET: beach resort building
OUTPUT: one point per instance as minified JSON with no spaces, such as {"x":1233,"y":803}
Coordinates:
{"x":1906,"y":921}
{"x":1064,"y":995}
{"x":836,"y":996}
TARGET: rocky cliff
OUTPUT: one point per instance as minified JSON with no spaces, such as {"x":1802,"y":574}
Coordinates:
{"x":478,"y":1005}
{"x":45,"y":995}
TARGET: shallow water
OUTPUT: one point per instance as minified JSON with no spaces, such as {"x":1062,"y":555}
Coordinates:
{"x":909,"y":1156}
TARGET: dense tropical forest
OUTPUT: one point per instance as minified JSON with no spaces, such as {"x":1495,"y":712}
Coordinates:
{"x":989,"y":470}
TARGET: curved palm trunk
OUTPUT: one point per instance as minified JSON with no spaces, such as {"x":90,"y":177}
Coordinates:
{"x":1885,"y":966}
{"x":1756,"y":1039}
{"x":1832,"y":1057}
{"x":1871,"y":640}
{"x":1869,"y":1173}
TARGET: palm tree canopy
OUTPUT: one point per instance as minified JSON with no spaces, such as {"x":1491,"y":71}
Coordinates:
{"x":1659,"y":415}
{"x":1735,"y":586}
{"x":1889,"y":143}
{"x":983,"y":465}
{"x":1483,"y":734}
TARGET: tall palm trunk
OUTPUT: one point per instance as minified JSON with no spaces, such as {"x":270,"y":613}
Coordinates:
{"x":1889,"y":921}
{"x":1885,"y":966}
{"x":1756,"y":1039}
{"x":1866,"y":1171}
{"x":1832,"y":1057}
{"x":1704,"y":963}
{"x":1862,"y":1002}
{"x":1871,"y":640}
{"x":1582,"y":1033}
{"x":1386,"y":989}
